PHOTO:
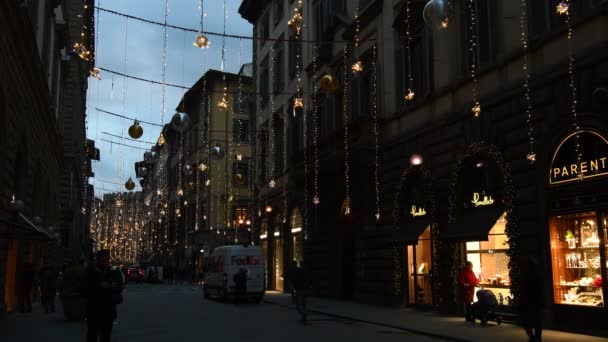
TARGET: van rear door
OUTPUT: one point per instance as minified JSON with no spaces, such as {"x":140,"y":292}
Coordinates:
{"x":253,"y":262}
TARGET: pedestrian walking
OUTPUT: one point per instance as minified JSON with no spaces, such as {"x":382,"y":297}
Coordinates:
{"x":48,"y":288}
{"x":102,"y":287}
{"x":467,"y":281}
{"x":289,"y":276}
{"x":240,"y":282}
{"x":302,"y":281}
{"x":27,"y":283}
{"x":531,"y":299}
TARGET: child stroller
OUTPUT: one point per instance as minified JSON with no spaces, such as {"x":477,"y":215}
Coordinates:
{"x":485,"y":307}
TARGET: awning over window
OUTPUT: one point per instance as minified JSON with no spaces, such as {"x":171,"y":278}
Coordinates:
{"x":411,"y":230}
{"x":473,"y":225}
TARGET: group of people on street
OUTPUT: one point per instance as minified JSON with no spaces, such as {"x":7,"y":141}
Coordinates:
{"x":531,"y":301}
{"x":46,"y":280}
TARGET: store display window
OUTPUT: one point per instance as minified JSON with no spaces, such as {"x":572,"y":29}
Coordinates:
{"x":491,"y":261}
{"x":419,"y":263}
{"x":576,"y":258}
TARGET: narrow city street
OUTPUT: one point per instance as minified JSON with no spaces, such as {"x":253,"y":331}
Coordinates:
{"x":162,"y":313}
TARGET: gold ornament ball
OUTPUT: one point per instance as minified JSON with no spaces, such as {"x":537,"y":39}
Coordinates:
{"x":201,"y":41}
{"x":130,"y":185}
{"x":136,"y":131}
{"x":329,"y":83}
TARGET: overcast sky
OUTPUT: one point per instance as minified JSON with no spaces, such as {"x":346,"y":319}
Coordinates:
{"x":144,"y":50}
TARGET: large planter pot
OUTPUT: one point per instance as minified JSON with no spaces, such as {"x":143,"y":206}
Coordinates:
{"x":74,"y":306}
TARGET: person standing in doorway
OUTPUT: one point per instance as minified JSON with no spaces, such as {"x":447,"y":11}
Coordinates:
{"x":467,"y":281}
{"x":103,"y":290}
{"x":532,"y":299}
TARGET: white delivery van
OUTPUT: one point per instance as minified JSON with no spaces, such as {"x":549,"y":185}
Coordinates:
{"x":225,"y":262}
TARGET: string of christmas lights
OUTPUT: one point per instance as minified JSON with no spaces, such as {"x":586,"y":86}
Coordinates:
{"x":164,"y":66}
{"x":315,"y":123}
{"x":346,"y":123}
{"x":408,"y":35}
{"x":271,"y":123}
{"x":476,"y":106}
{"x":376,"y":131}
{"x":531,"y":156}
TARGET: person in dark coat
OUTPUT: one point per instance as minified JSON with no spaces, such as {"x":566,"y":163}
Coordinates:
{"x":103,"y":290}
{"x":531,"y":301}
{"x":240,"y":281}
{"x":27,"y":283}
{"x":289,"y":276}
{"x":302,"y":282}
{"x":48,"y":288}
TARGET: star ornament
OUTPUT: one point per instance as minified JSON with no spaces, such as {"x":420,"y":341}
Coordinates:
{"x":410,"y":95}
{"x":531,"y":157}
{"x":239,"y":157}
{"x":476,"y":110}
{"x":298,"y":102}
{"x":272,"y":183}
{"x":223,"y":104}
{"x":316,"y":200}
{"x":562,"y":8}
{"x":357,"y":67}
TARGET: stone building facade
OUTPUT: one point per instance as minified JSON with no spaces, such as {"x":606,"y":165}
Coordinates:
{"x":438,"y":156}
{"x":36,"y":123}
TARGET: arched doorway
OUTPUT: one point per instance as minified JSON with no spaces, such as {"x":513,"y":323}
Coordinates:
{"x":482,"y":227}
{"x":416,"y":233}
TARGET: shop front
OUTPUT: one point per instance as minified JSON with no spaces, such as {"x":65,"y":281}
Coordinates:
{"x":578,"y":224}
{"x":414,"y":217}
{"x":479,"y":229}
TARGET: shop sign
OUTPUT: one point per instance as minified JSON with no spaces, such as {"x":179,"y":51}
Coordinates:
{"x":591,"y":161}
{"x":417,"y":212}
{"x":478,"y":201}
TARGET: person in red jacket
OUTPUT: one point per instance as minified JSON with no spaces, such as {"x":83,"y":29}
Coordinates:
{"x":467,"y":281}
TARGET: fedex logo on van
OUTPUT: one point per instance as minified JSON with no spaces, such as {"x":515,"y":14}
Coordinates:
{"x":249,"y":260}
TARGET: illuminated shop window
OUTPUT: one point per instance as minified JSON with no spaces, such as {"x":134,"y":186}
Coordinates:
{"x":419,"y":263}
{"x":491,"y":262}
{"x":576,"y":259}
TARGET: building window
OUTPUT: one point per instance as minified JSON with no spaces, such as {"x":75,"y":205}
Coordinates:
{"x":263,"y":30}
{"x":264,"y":83}
{"x":240,"y":130}
{"x":576,"y":258}
{"x":326,"y":12}
{"x":485,"y":24}
{"x":240,"y":103}
{"x":240,"y":173}
{"x":278,"y":9}
{"x":278,"y":79}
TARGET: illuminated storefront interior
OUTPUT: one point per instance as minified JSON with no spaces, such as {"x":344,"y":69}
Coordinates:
{"x":419,"y":262}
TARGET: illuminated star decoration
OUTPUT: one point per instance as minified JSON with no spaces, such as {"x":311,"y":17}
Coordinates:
{"x":95,"y":73}
{"x":531,"y":157}
{"x":476,"y":109}
{"x":239,"y":157}
{"x":562,"y":8}
{"x":223,"y":104}
{"x":82,"y":51}
{"x":410,"y":95}
{"x":207,"y":182}
{"x":201,"y":42}
{"x":161,"y":140}
{"x":357,"y":67}
{"x":180,"y":192}
{"x":316,"y":200}
{"x":272,"y":183}
{"x":202,"y":167}
{"x":298,"y":102}
{"x":297,"y":20}
{"x":444,"y":23}
{"x":377,"y":216}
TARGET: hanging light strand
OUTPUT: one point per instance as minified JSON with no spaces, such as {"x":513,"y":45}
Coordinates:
{"x":409,"y":96}
{"x":376,"y":131}
{"x":531,"y":156}
{"x":568,"y":18}
{"x":346,"y":123}
{"x":271,"y":136}
{"x":316,"y":200}
{"x":476,"y":106}
{"x":164,"y":66}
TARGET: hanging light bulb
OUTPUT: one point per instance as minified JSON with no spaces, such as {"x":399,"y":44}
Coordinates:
{"x":248,"y":222}
{"x":201,"y":41}
{"x":136,"y":131}
{"x":357,"y":67}
{"x":269,"y":208}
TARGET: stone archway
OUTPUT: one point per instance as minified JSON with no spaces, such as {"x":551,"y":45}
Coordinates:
{"x":448,"y":250}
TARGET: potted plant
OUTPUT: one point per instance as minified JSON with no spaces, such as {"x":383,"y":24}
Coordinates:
{"x":74,"y":305}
